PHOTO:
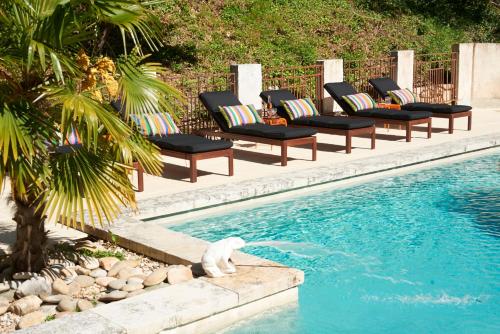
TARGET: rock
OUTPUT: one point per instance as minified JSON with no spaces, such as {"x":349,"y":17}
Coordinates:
{"x":25,"y":305}
{"x":82,"y":271}
{"x":113,"y":296}
{"x":96,"y":273}
{"x":84,"y":281}
{"x":24,"y":275}
{"x":86,"y":244}
{"x":63,"y":314}
{"x":88,"y":262}
{"x":34,"y":286}
{"x":177,"y":274}
{"x":48,"y":310}
{"x":4,"y":305}
{"x":59,"y":287}
{"x":62,"y":262}
{"x":156,"y":277}
{"x":31,"y":319}
{"x":132,"y":262}
{"x":117,"y":284}
{"x":84,"y":304}
{"x":135,"y":293}
{"x":53,"y":299}
{"x":9,"y":295}
{"x":108,"y":262}
{"x":104,"y":281}
{"x":135,"y":280}
{"x":132,"y":287}
{"x":58,"y":271}
{"x":15,"y":284}
{"x":74,"y":288}
{"x":127,"y":272}
{"x":115,"y":269}
{"x":67,"y":305}
{"x":4,"y":287}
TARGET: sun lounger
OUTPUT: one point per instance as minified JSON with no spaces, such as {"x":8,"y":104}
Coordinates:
{"x":344,"y":126}
{"x":384,"y":85}
{"x":380,"y":115}
{"x":189,"y":147}
{"x":258,"y":133}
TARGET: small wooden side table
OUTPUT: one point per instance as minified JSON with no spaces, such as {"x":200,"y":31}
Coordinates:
{"x":389,"y":106}
{"x":275,"y":121}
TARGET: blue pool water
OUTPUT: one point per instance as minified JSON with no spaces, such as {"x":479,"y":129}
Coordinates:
{"x":415,"y":253}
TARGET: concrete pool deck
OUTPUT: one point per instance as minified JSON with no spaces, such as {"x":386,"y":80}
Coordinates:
{"x":258,"y":173}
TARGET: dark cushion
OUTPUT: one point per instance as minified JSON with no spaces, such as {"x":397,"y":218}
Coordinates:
{"x":402,"y":115}
{"x":276,"y":97}
{"x":384,"y":85}
{"x":339,"y":89}
{"x":436,"y":107}
{"x":333,"y":122}
{"x":213,"y":100}
{"x":272,"y":131}
{"x":189,"y":143}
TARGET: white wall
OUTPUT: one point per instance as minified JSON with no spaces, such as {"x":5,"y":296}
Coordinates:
{"x":486,"y":71}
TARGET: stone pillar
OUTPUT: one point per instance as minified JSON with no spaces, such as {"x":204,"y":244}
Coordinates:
{"x":248,"y":83}
{"x":333,"y":71}
{"x":465,"y":72}
{"x":404,"y":68}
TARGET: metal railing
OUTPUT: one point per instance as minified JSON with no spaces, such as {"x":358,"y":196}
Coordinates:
{"x":194,"y":115}
{"x":435,"y":77}
{"x":302,"y":81}
{"x":358,"y":72}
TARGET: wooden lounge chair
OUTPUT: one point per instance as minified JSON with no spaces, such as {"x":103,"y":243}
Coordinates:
{"x":381,"y":116}
{"x":258,"y":133}
{"x":189,"y":147}
{"x":440,"y":110}
{"x":338,"y":125}
{"x":194,"y":148}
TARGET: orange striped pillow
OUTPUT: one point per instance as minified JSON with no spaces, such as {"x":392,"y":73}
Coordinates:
{"x":300,"y":108}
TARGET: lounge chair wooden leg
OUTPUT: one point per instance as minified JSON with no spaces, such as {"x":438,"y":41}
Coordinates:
{"x":450,"y":124}
{"x":374,"y":135}
{"x":408,"y":132}
{"x":193,"y":169}
{"x":230,"y":162}
{"x":348,"y":143}
{"x":469,"y":123}
{"x":314,"y":148}
{"x":140,"y":177}
{"x":429,"y":128}
{"x":284,"y":153}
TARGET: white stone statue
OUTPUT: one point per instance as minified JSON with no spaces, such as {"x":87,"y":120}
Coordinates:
{"x":215,"y":261}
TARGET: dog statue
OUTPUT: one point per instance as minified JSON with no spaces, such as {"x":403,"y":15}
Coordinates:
{"x":215,"y":260}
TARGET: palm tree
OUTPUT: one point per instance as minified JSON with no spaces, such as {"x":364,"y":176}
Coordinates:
{"x":55,"y":85}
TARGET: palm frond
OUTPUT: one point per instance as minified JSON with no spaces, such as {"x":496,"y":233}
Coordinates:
{"x":87,"y":183}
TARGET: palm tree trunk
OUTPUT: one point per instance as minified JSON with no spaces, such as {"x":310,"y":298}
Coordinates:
{"x":29,"y":248}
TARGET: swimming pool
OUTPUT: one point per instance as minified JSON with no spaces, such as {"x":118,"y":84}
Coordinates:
{"x":413,"y":253}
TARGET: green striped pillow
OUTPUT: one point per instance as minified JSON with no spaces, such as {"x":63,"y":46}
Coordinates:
{"x":403,"y":96}
{"x":240,"y":115}
{"x":155,"y":124}
{"x":300,"y":108}
{"x":360,"y":101}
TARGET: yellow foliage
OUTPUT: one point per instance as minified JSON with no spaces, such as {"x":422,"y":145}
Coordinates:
{"x":101,"y":72}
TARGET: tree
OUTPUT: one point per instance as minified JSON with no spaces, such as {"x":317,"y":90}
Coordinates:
{"x":56,"y":86}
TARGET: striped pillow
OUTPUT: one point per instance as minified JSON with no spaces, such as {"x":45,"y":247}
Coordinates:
{"x":155,"y":124}
{"x":73,"y":137}
{"x":402,"y":96}
{"x":360,"y":101}
{"x":240,"y":115}
{"x":300,"y":108}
